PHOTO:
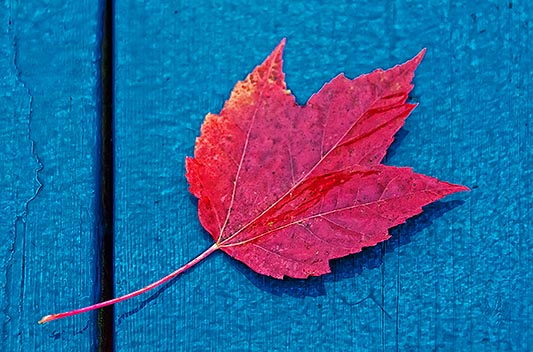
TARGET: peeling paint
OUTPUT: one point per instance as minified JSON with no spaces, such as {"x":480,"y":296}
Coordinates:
{"x":39,"y":166}
{"x":15,"y":262}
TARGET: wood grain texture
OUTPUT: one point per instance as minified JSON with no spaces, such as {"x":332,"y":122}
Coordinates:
{"x":456,"y":277}
{"x":49,"y":127}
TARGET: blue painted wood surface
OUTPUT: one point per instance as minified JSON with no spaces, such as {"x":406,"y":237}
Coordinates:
{"x":49,"y":130}
{"x":455,"y":278}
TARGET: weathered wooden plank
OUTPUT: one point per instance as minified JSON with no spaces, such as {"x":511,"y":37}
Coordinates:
{"x":424,"y":289}
{"x":172,"y":67}
{"x":49,"y":157}
{"x":463,"y":283}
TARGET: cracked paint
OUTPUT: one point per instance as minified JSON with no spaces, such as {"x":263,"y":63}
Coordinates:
{"x":48,"y":208}
{"x":39,"y":166}
{"x":27,"y":188}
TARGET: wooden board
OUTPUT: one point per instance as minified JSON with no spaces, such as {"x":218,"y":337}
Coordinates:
{"x":49,"y":193}
{"x":455,"y":278}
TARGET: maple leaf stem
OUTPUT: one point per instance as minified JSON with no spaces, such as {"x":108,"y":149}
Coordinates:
{"x":159,"y":282}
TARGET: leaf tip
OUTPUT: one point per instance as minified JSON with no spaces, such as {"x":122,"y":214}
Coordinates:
{"x":455,"y":188}
{"x":461,"y":188}
{"x":418,"y":58}
{"x":278,"y":51}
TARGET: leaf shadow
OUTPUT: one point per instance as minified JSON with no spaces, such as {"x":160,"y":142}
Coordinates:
{"x":342,"y":268}
{"x":352,"y":265}
{"x":147,"y":301}
{"x":398,"y":138}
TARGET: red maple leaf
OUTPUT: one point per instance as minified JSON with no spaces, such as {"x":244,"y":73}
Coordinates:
{"x":286,"y":188}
